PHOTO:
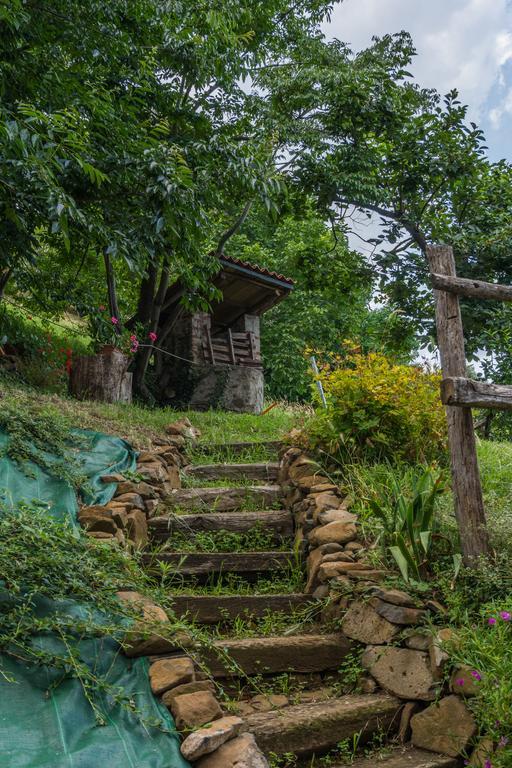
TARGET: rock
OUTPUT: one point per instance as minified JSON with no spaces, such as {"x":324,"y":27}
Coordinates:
{"x":404,"y":729}
{"x":337,"y":533}
{"x":482,"y":754}
{"x":323,"y":487}
{"x":368,"y":576}
{"x":438,"y":656}
{"x":97,"y":519}
{"x":446,"y":727}
{"x":329,"y":570}
{"x":114,"y":478}
{"x":308,"y":481}
{"x":208,"y":739}
{"x":398,"y":614}
{"x":192,"y":710}
{"x":367,"y":684}
{"x":131,"y":500}
{"x":463,"y":683}
{"x":241,"y":752}
{"x":180,"y":690}
{"x":153,"y":473}
{"x":329,"y":549}
{"x":418,"y":642}
{"x":338,"y":557}
{"x":354,"y":546}
{"x":102,"y":535}
{"x":120,"y":516}
{"x":401,"y":671}
{"x":265,"y":703}
{"x":137,"y":528}
{"x":324,"y":501}
{"x":335,"y":516}
{"x":151,"y":506}
{"x":305,"y":467}
{"x":394,"y":596}
{"x":321,"y":592}
{"x":183,"y":428}
{"x":313,"y":563}
{"x":363,"y":623}
{"x":142,"y":489}
{"x":137,"y":642}
{"x":168,"y":673}
{"x":434,"y":607}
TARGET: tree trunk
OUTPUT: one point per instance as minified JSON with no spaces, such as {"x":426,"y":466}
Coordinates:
{"x":4,"y":279}
{"x":111,"y":288}
{"x":144,"y":354}
{"x":101,"y":377}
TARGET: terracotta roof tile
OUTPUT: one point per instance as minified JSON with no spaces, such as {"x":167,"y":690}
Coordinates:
{"x":255,"y":268}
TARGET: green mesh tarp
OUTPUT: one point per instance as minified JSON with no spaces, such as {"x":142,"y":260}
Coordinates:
{"x":46,"y":722}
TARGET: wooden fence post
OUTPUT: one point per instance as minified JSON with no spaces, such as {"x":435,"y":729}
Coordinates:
{"x":467,"y":489}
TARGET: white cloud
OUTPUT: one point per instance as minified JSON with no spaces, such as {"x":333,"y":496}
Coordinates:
{"x":504,"y":109}
{"x":461,"y":44}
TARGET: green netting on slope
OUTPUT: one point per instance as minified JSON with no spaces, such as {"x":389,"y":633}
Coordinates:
{"x":45,"y":723}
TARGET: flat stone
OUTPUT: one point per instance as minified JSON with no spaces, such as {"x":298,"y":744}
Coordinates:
{"x":418,"y":642}
{"x":401,"y":671}
{"x":446,"y":727}
{"x":97,"y":519}
{"x":323,"y":487}
{"x":137,"y":642}
{"x":136,"y":527}
{"x":438,"y":656}
{"x":114,"y":478}
{"x":354,"y":546}
{"x":192,"y":710}
{"x":337,"y":533}
{"x":240,"y":752}
{"x":181,"y":690}
{"x":313,"y":563}
{"x":395,"y":597}
{"x":370,"y":576}
{"x":404,"y":729}
{"x":363,"y":623}
{"x":324,"y":501}
{"x":398,"y":614}
{"x":305,"y":467}
{"x":338,"y":557}
{"x":265,"y":703}
{"x":482,"y":754}
{"x":168,"y":673}
{"x":329,"y":549}
{"x":131,"y":500}
{"x":335,"y":516}
{"x":328,"y":571}
{"x":208,"y":739}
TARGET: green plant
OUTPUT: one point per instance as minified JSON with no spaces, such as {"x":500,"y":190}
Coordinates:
{"x":408,"y":520}
{"x":255,"y":539}
{"x":379,"y":410}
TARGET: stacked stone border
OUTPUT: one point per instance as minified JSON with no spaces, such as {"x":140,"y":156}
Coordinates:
{"x":403,"y":655}
{"x":211,"y":739}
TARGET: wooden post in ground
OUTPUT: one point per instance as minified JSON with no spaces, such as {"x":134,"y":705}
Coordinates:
{"x":467,"y":489}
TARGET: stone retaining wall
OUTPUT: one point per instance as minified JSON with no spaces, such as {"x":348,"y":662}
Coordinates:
{"x":404,"y":655}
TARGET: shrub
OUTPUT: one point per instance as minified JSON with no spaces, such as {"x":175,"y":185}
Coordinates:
{"x":380,"y":410}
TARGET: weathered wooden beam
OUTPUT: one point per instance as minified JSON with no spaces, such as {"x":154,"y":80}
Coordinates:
{"x":476,"y":289}
{"x":468,"y":393}
{"x":467,"y":488}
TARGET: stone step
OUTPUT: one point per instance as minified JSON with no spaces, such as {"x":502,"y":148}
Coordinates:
{"x":223,"y":499}
{"x":306,"y":729}
{"x":203,"y":565}
{"x":266,"y":472}
{"x":278,"y":522}
{"x":406,"y":757}
{"x":215,"y":609}
{"x":270,"y":655}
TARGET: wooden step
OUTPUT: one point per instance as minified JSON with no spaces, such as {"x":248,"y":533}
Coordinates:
{"x":214,"y":609}
{"x":223,"y":499}
{"x":406,"y":757}
{"x":306,"y":729}
{"x":279,"y":523}
{"x":266,"y":472}
{"x":200,"y":564}
{"x":269,"y":655}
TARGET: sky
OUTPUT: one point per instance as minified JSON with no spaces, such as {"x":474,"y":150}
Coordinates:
{"x":463,"y":44}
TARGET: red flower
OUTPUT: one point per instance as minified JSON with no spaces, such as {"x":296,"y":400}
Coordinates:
{"x":152,"y":336}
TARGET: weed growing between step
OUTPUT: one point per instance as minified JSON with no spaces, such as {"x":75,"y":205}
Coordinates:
{"x":256,"y":539}
{"x":345,"y":753}
{"x":247,"y":504}
{"x":257,"y":454}
{"x":272,"y":623}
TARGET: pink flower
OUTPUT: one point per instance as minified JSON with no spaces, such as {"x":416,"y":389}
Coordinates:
{"x":460,"y":681}
{"x":492,"y":621}
{"x":133,"y":338}
{"x":152,"y":336}
{"x":505,"y":615}
{"x":476,"y":675}
{"x":503,"y":742}
{"x":487,"y":764}
{"x":115,"y":321}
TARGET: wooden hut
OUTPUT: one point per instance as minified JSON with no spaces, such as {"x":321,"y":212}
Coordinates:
{"x":213,"y":358}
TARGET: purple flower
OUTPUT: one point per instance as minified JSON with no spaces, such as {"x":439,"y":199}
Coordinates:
{"x":503,"y":742}
{"x":460,"y":681}
{"x":492,"y":621}
{"x":505,"y":615}
{"x":487,"y":764}
{"x":476,"y":675}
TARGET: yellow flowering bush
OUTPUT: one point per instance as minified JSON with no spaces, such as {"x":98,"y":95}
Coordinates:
{"x":379,"y":410}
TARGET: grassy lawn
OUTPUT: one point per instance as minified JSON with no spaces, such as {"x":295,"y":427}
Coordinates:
{"x":140,"y":424}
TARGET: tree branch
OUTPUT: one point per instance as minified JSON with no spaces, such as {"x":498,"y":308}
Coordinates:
{"x":228,"y":234}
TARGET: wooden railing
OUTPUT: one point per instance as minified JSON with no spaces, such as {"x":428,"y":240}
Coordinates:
{"x":231,"y":348}
{"x":460,"y":394}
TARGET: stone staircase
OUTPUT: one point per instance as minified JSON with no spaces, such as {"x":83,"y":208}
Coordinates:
{"x":286,"y":685}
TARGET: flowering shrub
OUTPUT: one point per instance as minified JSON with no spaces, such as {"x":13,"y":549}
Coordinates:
{"x":483,"y":649}
{"x":378,"y":409}
{"x":106,"y":330}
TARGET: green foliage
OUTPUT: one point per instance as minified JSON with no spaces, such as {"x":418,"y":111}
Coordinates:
{"x":256,"y":539}
{"x":378,"y":409}
{"x":330,"y":300}
{"x":408,"y":522}
{"x":43,"y":437}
